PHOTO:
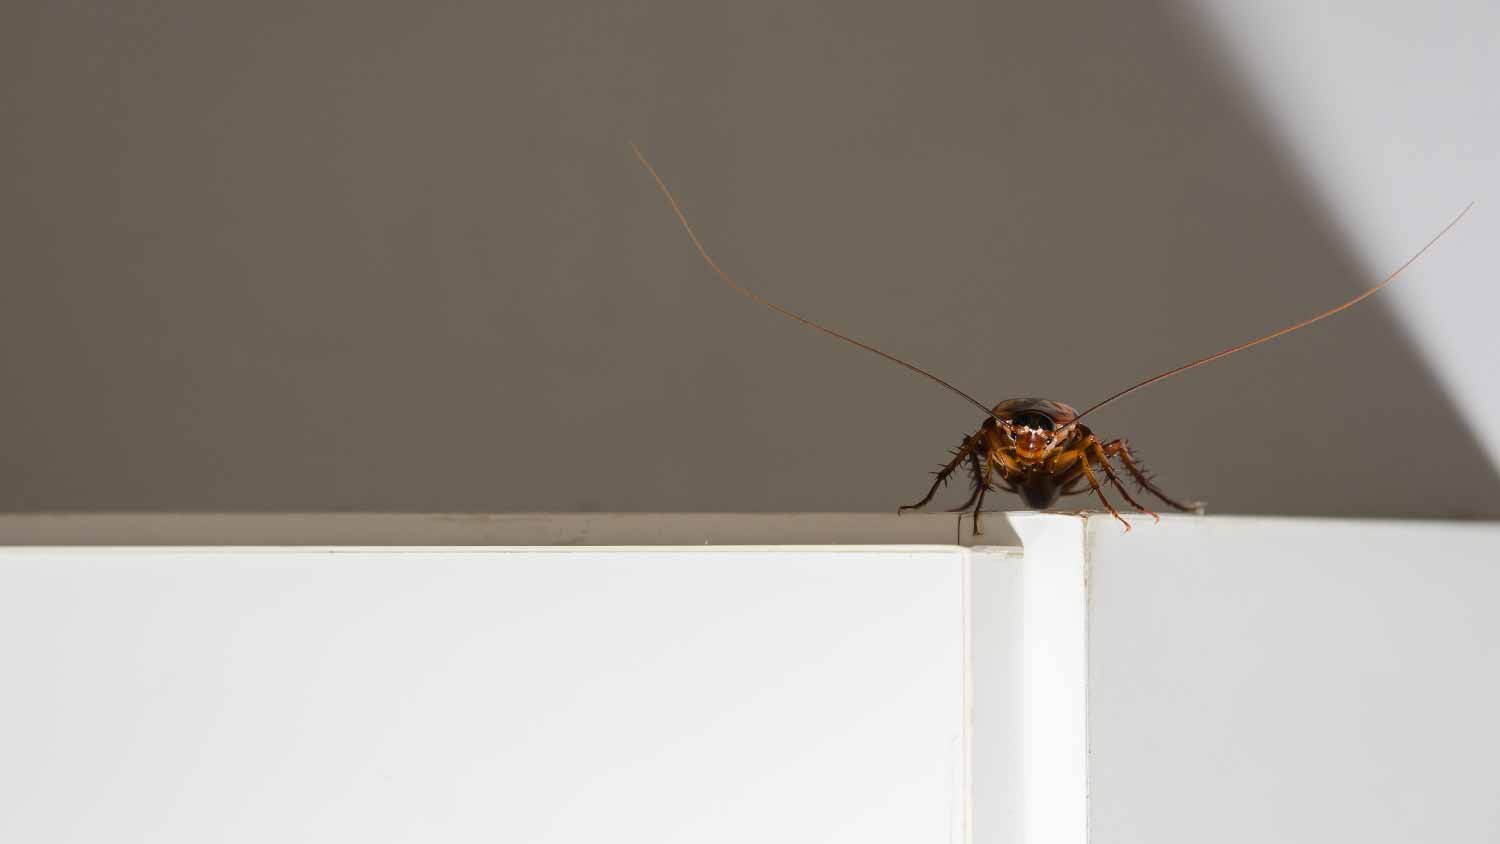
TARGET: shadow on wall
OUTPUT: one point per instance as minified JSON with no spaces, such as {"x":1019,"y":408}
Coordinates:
{"x":380,"y":256}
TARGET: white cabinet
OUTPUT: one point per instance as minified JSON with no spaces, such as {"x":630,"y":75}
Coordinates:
{"x":1202,"y":679}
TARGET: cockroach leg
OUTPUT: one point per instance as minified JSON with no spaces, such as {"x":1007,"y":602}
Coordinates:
{"x":1097,"y":452}
{"x":1122,"y":449}
{"x":963,"y":452}
{"x":1072,"y":481}
{"x":989,"y":467}
{"x":978,"y":478}
{"x":1099,"y":491}
{"x":968,"y":502}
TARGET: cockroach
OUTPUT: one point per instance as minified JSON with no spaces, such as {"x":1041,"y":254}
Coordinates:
{"x":1037,"y":448}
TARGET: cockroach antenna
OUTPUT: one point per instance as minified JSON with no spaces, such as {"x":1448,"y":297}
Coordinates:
{"x":1038,"y":448}
{"x":1288,"y":330}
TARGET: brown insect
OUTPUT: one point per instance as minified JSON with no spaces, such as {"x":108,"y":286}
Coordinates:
{"x":1037,"y":448}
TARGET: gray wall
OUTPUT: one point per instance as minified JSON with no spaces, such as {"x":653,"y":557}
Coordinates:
{"x":384,"y":256}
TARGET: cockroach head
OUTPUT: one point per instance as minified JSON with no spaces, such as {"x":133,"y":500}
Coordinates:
{"x":1031,"y":432}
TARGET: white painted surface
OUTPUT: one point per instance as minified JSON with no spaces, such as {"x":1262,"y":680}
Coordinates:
{"x":999,"y":701}
{"x":1256,"y":680}
{"x":508,"y":529}
{"x":481,"y":695}
{"x":1029,"y":671}
{"x":1054,"y":624}
{"x":1223,"y":679}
